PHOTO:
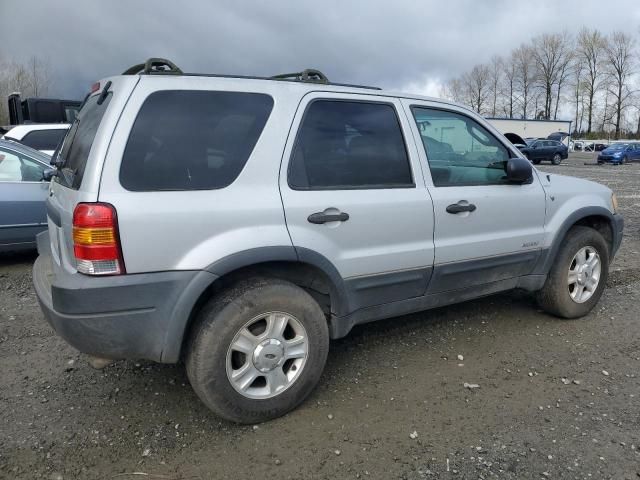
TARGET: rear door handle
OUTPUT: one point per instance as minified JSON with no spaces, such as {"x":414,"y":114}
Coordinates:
{"x":321,"y":217}
{"x":459,"y":208}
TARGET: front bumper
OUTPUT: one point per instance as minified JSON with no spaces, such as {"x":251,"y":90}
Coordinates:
{"x":138,"y":316}
{"x":607,"y":159}
{"x":618,"y":228}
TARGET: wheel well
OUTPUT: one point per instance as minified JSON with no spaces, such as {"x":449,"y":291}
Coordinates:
{"x":312,"y":279}
{"x":601,"y":224}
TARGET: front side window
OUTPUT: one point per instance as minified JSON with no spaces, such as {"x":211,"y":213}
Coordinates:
{"x":459,"y":150}
{"x":17,"y":168}
{"x":192,"y":140}
{"x":349,"y":145}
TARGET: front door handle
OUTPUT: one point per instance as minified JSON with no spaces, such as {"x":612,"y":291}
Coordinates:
{"x":459,"y":208}
{"x":321,"y":217}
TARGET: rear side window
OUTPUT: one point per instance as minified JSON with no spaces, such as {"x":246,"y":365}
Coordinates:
{"x":77,"y":144}
{"x":44,"y":139}
{"x":192,"y":140}
{"x":347,"y":145}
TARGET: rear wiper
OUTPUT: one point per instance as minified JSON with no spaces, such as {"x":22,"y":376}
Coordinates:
{"x":104,"y":93}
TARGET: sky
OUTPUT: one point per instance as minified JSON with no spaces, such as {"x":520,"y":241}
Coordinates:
{"x":412,"y":46}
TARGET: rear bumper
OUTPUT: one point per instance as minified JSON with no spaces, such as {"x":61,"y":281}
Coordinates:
{"x":129,"y":316}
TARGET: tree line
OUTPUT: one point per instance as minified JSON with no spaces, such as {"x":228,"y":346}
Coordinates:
{"x":31,"y":78}
{"x":592,"y":75}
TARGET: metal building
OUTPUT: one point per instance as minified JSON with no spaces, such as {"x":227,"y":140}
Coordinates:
{"x":533,"y":128}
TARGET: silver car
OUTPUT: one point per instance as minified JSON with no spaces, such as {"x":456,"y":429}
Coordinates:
{"x":241,"y":223}
{"x":24,"y":185}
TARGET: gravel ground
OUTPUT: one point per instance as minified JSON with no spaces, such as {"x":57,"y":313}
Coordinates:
{"x":556,"y":399}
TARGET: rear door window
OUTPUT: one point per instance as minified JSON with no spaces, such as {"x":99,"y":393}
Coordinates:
{"x":44,"y":139}
{"x":192,"y":140}
{"x":349,"y":145}
{"x":73,"y":156}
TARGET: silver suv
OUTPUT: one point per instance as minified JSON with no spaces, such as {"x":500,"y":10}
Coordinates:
{"x":241,"y":223}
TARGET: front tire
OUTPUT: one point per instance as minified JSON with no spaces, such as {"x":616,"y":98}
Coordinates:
{"x":257,"y":350}
{"x":578,"y":276}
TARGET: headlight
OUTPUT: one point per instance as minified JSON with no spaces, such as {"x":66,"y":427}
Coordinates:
{"x":614,"y":203}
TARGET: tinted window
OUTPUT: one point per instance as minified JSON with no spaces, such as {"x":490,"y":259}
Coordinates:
{"x":44,"y":139}
{"x":349,"y":145}
{"x":77,"y":144}
{"x":192,"y":140}
{"x":460,"y":151}
{"x":17,"y":168}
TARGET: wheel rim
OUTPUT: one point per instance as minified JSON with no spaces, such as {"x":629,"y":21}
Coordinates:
{"x":584,"y":274}
{"x":267,"y":355}
{"x":556,"y":158}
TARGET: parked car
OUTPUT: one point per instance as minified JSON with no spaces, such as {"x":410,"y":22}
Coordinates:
{"x":43,"y":137}
{"x":618,"y":153}
{"x":595,"y":147}
{"x":538,"y":150}
{"x":240,"y":223}
{"x":24,"y":174}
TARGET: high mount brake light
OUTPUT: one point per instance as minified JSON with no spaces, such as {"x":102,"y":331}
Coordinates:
{"x":96,"y":244}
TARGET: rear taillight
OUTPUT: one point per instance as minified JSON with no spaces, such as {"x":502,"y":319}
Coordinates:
{"x":96,"y":244}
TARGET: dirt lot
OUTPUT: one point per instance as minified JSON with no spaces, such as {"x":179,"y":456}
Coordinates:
{"x":557,"y":399}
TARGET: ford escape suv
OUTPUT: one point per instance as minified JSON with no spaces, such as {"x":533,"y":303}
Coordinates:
{"x":241,"y":223}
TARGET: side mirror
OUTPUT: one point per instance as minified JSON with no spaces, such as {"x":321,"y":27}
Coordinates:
{"x":48,"y":174}
{"x":519,"y":170}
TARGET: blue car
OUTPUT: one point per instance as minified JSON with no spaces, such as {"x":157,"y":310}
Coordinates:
{"x":619,"y":153}
{"x":24,"y":185}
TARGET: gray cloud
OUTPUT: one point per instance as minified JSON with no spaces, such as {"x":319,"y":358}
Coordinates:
{"x":391,"y":43}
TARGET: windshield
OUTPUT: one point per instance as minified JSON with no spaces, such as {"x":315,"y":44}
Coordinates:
{"x":618,"y":146}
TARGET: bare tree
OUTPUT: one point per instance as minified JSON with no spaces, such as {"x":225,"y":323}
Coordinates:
{"x":590,"y":49}
{"x":509,"y":79}
{"x":621,"y":64}
{"x":31,"y":79}
{"x":476,"y":85}
{"x":576,"y":72}
{"x":549,"y":52}
{"x":525,"y":75}
{"x":496,"y":68}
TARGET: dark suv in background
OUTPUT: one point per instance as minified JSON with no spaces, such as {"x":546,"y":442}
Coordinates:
{"x":538,"y":150}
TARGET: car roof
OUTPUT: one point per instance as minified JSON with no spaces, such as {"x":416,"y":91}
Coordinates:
{"x":36,"y":155}
{"x":296,"y":80}
{"x":20,"y":131}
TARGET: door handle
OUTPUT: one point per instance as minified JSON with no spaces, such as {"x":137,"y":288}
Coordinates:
{"x":321,"y":217}
{"x":459,"y":208}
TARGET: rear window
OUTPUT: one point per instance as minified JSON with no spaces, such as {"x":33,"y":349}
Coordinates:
{"x":44,"y":139}
{"x":192,"y":140}
{"x":77,"y":144}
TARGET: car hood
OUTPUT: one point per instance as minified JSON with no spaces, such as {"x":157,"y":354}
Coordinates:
{"x":575,"y":185}
{"x":611,"y":151}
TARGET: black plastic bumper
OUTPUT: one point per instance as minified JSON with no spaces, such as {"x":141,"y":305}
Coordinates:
{"x":128,"y":316}
{"x":618,"y":227}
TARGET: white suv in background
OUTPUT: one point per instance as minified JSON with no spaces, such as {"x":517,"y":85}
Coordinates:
{"x":240,"y":223}
{"x":39,"y":136}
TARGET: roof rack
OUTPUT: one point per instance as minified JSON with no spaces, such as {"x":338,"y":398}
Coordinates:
{"x":154,"y":65}
{"x":162,"y":66}
{"x":309,"y":75}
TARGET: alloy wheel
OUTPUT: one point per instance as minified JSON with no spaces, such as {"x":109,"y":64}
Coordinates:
{"x":267,"y":355}
{"x":584,"y":274}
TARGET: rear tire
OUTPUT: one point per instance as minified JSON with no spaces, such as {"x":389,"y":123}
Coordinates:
{"x":557,"y":159}
{"x":286,"y":339}
{"x":569,"y":291}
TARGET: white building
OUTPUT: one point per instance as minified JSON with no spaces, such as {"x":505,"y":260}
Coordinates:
{"x":532,"y":128}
